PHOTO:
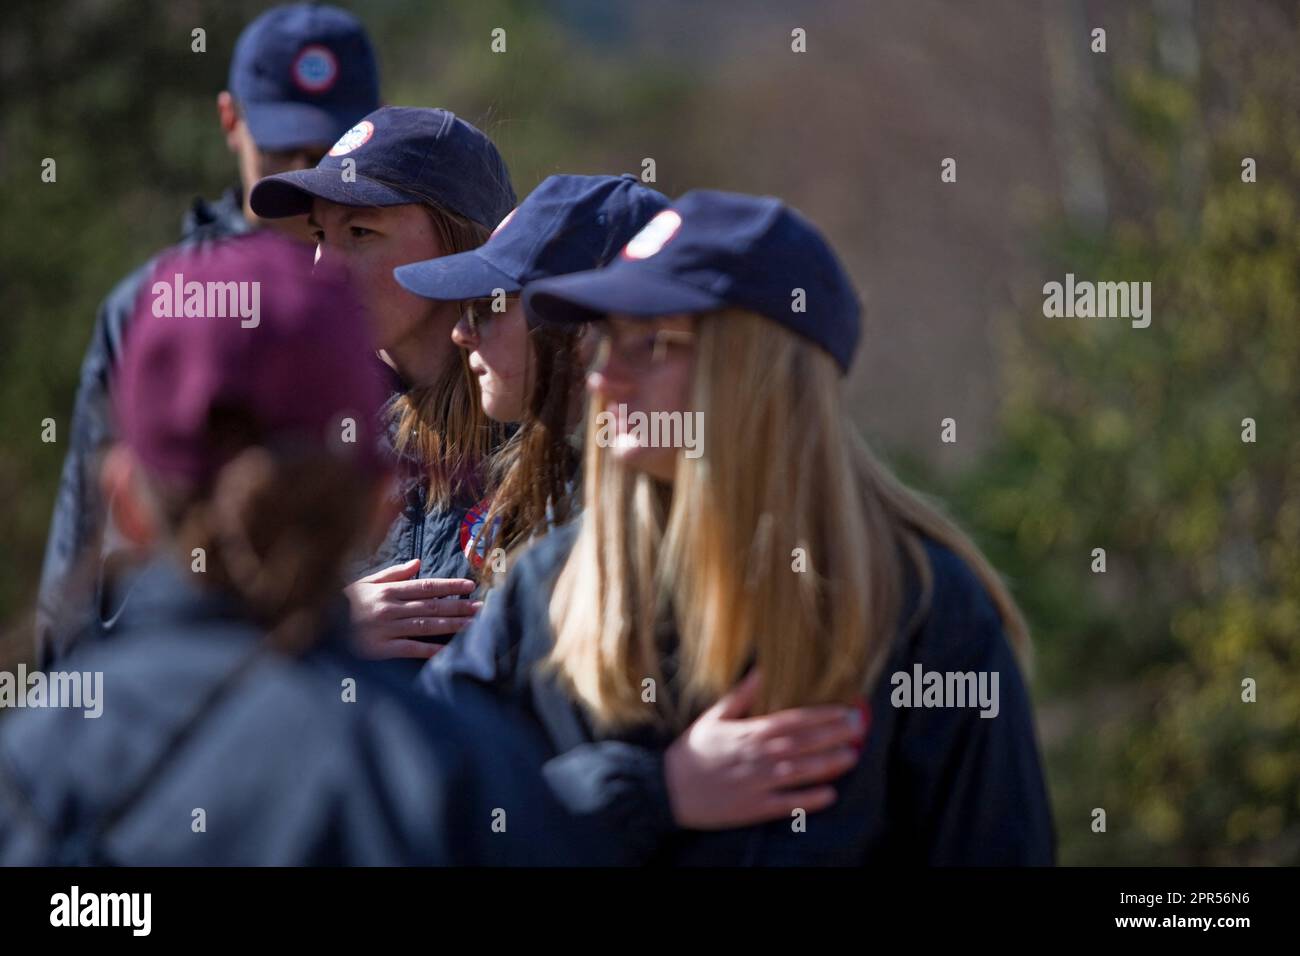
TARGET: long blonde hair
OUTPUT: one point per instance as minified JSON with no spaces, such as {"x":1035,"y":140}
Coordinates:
{"x":783,"y":474}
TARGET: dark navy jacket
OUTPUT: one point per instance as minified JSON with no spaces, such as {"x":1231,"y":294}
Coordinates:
{"x":932,"y":787}
{"x":438,"y":536}
{"x":78,"y":510}
{"x":286,"y":771}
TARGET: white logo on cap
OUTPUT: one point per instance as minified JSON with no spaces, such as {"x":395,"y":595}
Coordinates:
{"x":502,"y":224}
{"x":653,"y":236}
{"x":315,"y":69}
{"x":353,"y":138}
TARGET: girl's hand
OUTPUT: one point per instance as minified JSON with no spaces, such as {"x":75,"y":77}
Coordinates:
{"x":392,"y":608}
{"x":728,"y":770}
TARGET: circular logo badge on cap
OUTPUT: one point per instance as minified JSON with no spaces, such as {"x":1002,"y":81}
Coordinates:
{"x":502,"y":224}
{"x":355,"y":137}
{"x":653,"y":236}
{"x":315,"y":69}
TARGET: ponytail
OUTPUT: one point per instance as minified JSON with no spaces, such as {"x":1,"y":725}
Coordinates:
{"x":274,"y":531}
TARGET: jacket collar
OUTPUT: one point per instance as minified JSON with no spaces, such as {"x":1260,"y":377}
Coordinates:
{"x":166,"y":596}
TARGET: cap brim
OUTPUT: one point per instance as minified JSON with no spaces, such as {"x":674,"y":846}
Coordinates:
{"x":466,"y":275}
{"x":291,"y":125}
{"x":588,"y":296}
{"x":291,"y":194}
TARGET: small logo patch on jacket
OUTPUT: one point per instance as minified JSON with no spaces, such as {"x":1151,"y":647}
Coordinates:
{"x":471,"y":528}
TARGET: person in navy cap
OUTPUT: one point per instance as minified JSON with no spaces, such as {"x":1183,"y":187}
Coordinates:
{"x":769,"y":563}
{"x":232,"y":723}
{"x":407,"y":184}
{"x":528,"y":374}
{"x":301,"y":76}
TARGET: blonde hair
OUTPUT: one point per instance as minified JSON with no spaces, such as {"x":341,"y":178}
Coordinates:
{"x":782,"y":468}
{"x":442,"y":424}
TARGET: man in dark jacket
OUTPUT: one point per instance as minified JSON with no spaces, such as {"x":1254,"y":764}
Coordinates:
{"x":300,"y":76}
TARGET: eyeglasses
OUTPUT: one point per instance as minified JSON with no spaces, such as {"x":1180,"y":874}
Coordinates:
{"x":639,"y":350}
{"x":479,"y":312}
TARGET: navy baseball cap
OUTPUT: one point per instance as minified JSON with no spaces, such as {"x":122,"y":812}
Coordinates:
{"x":567,"y":224}
{"x":402,"y":155}
{"x":303,"y":74}
{"x":712,"y":250}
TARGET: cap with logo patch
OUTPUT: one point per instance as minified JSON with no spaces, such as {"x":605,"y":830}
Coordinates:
{"x":567,"y":224}
{"x":302,"y":74}
{"x":713,"y":250}
{"x":395,"y":156}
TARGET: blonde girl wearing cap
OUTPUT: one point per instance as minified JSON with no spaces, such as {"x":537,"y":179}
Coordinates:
{"x":658,"y":639}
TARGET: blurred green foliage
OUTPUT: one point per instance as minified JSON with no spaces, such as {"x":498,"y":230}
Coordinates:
{"x":132,"y":129}
{"x":1131,"y":440}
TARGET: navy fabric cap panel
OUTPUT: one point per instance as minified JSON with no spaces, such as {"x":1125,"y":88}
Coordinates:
{"x":711,"y":250}
{"x":567,"y":224}
{"x":302,"y":74}
{"x":402,"y":155}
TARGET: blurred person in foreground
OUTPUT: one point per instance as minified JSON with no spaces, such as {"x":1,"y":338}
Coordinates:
{"x":232,"y":722}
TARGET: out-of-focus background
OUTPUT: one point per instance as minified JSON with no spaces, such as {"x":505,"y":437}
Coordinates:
{"x":1071,"y":434}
